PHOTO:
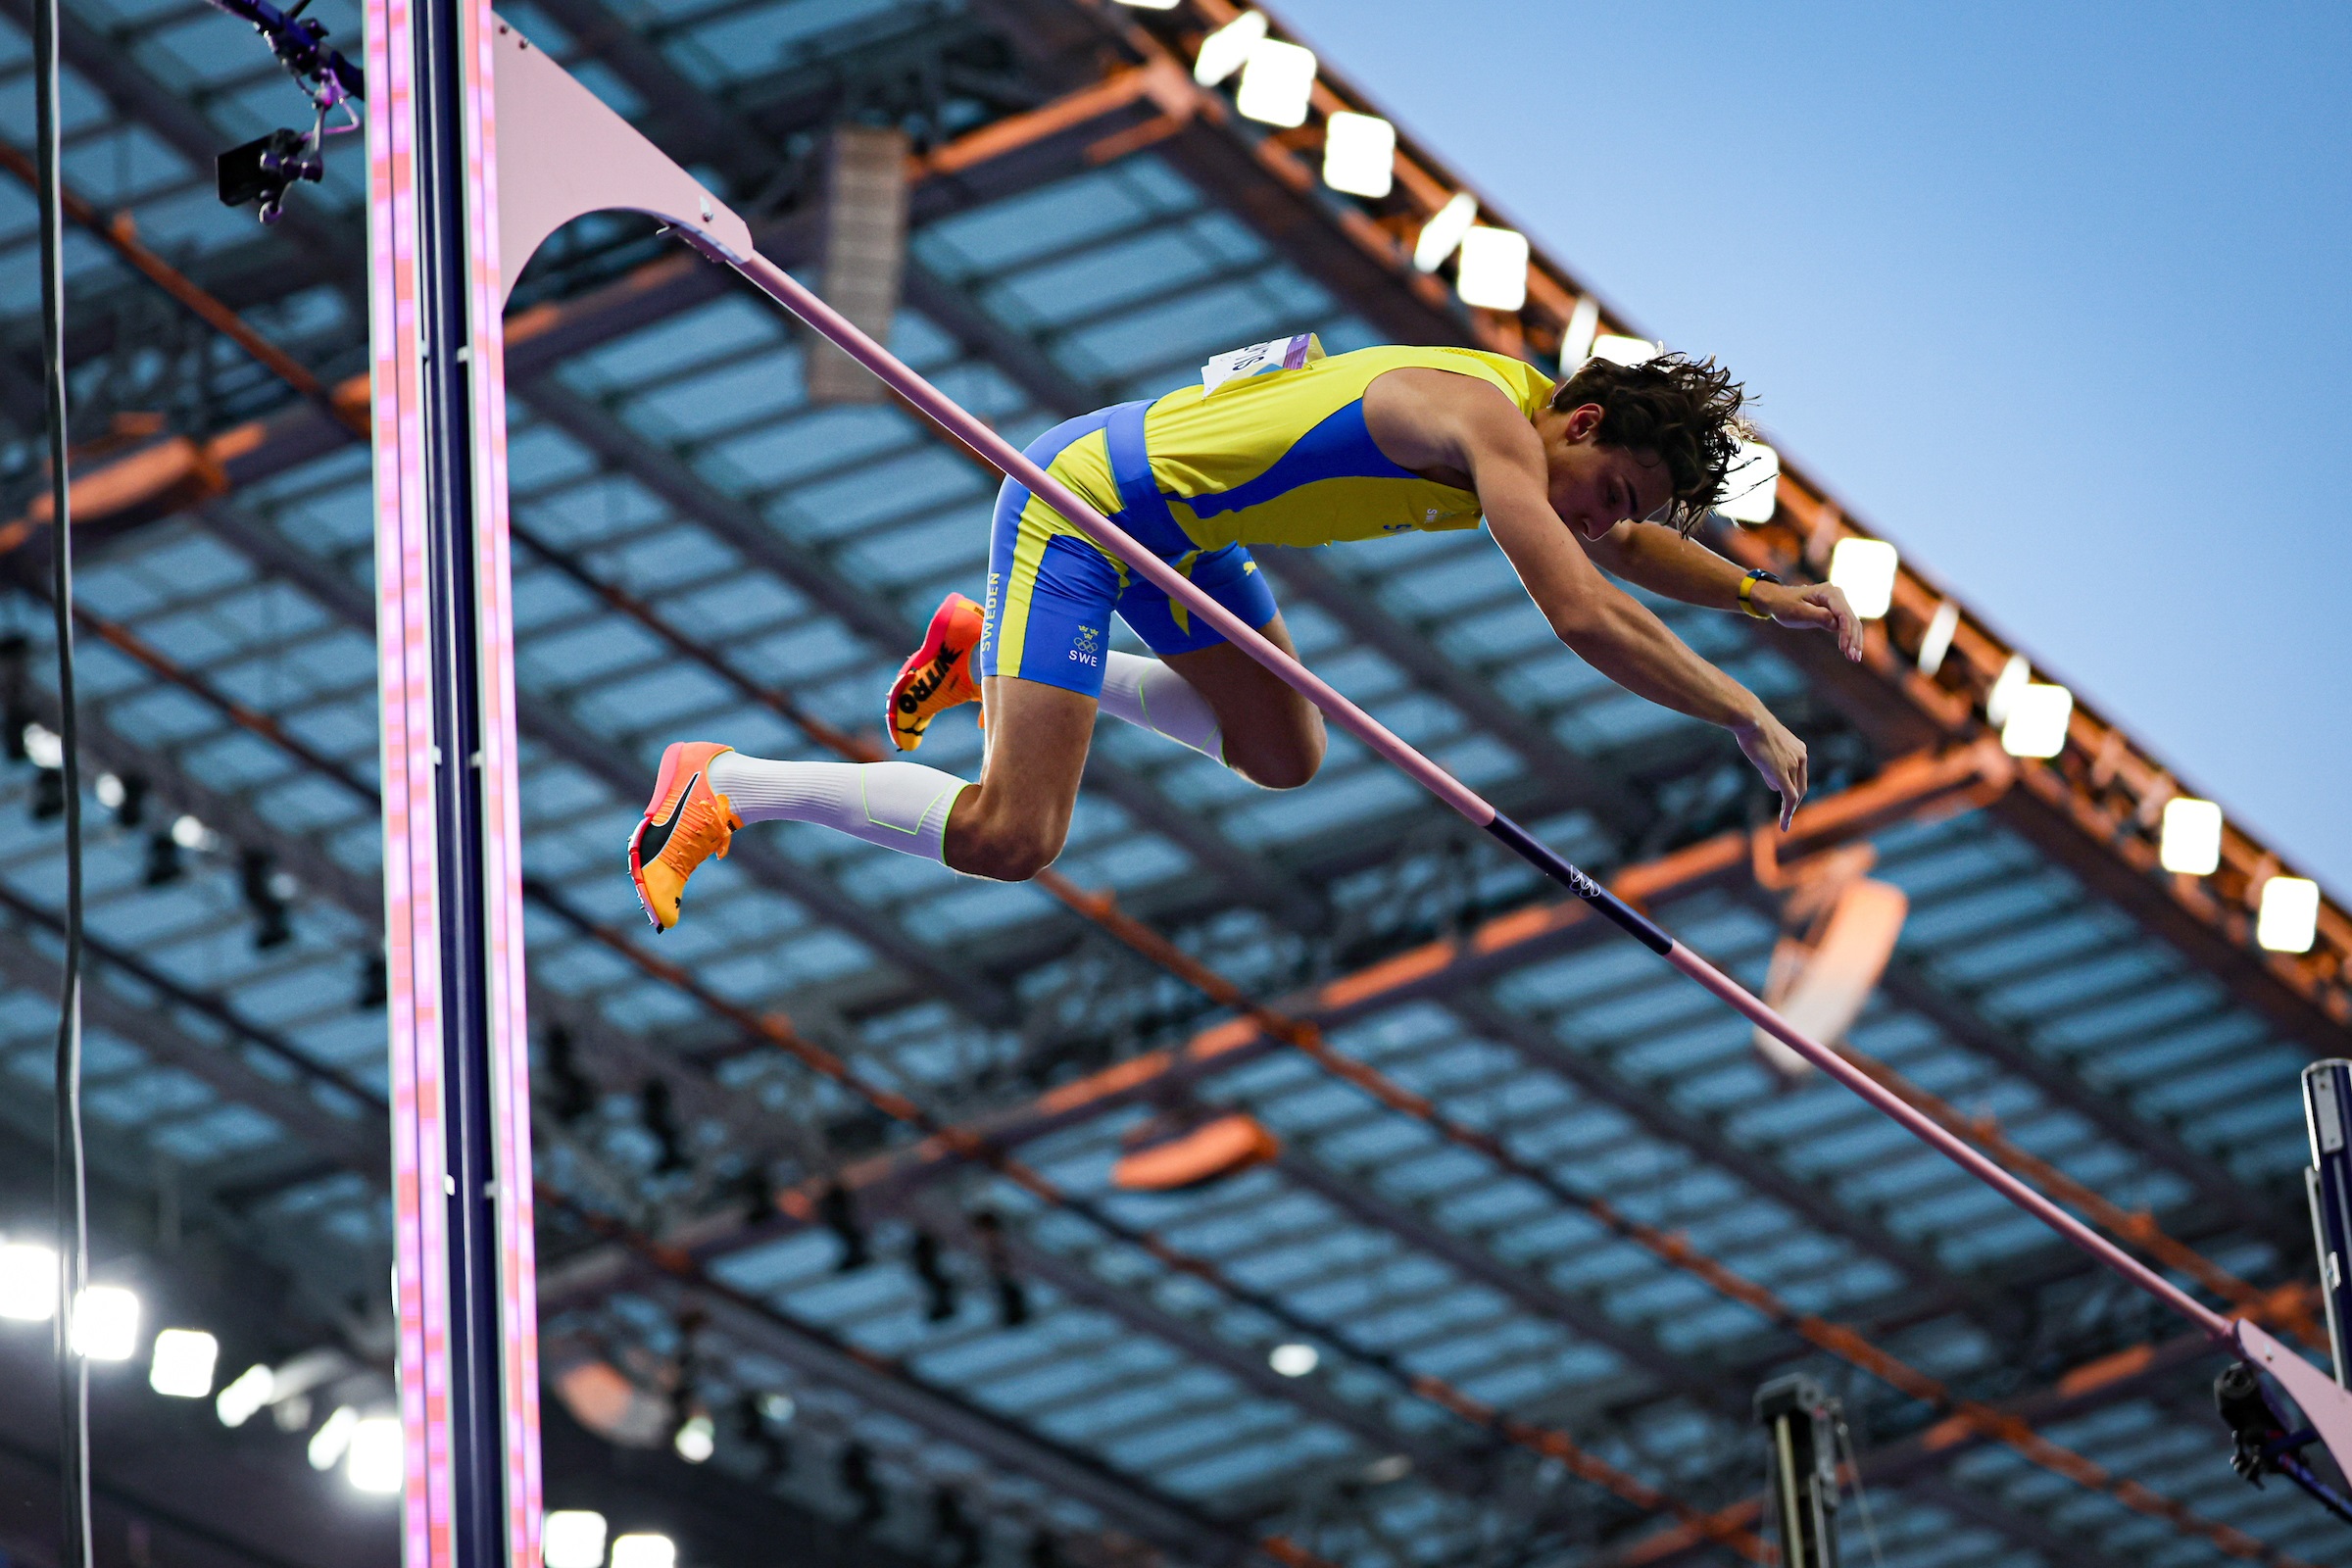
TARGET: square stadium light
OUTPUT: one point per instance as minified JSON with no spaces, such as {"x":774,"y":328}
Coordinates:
{"x":183,"y":1364}
{"x":1493,"y":270}
{"x":2038,"y":720}
{"x":1443,"y":232}
{"x":2289,"y":922}
{"x":1752,"y":485}
{"x":376,"y":1459}
{"x":573,"y":1538}
{"x":1360,"y":154}
{"x":106,"y":1323}
{"x":2192,"y":836}
{"x":1865,"y":569}
{"x":1277,"y":81}
{"x":1225,"y":51}
{"x":645,"y":1551}
{"x":1625,"y":350}
{"x":28,"y":1282}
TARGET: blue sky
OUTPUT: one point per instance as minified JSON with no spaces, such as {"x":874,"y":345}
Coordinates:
{"x":2055,"y":297}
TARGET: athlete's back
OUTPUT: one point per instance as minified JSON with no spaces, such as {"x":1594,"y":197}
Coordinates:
{"x":1282,"y":457}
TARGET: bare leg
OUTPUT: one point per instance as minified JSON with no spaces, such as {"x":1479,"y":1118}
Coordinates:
{"x":1273,"y":736}
{"x":1010,"y":825}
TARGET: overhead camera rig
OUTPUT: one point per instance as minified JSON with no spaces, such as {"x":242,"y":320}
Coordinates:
{"x":263,"y":171}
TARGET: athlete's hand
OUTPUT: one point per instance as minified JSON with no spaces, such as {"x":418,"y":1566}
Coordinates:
{"x":1778,"y":754}
{"x":1820,"y":605}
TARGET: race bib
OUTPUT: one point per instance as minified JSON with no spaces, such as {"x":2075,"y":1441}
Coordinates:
{"x":1260,"y":359}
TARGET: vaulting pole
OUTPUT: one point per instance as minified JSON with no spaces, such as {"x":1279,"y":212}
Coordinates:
{"x":462,"y":1190}
{"x":936,"y":406}
{"x":2325,"y":1404}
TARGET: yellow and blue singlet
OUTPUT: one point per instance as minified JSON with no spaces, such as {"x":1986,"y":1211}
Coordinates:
{"x":1277,"y":458}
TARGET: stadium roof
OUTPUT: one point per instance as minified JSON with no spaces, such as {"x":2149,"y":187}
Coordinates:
{"x":1541,"y":1255}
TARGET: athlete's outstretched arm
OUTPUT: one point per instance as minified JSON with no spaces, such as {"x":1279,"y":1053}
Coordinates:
{"x":1665,"y":563}
{"x":1604,"y":624}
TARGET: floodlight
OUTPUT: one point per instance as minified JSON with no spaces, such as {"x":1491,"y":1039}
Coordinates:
{"x":1576,"y":343}
{"x":1360,"y":154}
{"x":1493,"y":270}
{"x":1277,"y":81}
{"x":2192,"y":836}
{"x":332,"y":1441}
{"x":28,"y":1282}
{"x":573,"y":1538}
{"x":1294,"y":1360}
{"x":189,"y":833}
{"x":2289,"y":920}
{"x":1821,"y":986}
{"x":1140,"y":5}
{"x":106,"y":1323}
{"x":1226,"y":50}
{"x":1441,"y":233}
{"x":1865,"y":569}
{"x":2013,"y":678}
{"x":1628,"y":351}
{"x":251,"y":1390}
{"x":182,"y":1365}
{"x":376,"y":1459}
{"x":696,"y":1438}
{"x":42,"y":746}
{"x":109,"y":792}
{"x":645,"y":1551}
{"x":1937,"y":641}
{"x":2036,"y":722}
{"x":1751,"y":485}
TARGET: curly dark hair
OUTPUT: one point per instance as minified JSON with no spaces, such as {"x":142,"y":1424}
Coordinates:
{"x":1686,"y":411}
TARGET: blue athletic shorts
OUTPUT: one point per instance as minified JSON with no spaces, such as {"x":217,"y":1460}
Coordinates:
{"x":1052,"y":594}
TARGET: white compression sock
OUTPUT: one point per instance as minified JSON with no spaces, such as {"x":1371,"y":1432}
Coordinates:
{"x":1149,"y":695}
{"x":899,"y":806}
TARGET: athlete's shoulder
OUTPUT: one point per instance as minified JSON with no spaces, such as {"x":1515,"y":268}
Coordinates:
{"x":1523,"y":383}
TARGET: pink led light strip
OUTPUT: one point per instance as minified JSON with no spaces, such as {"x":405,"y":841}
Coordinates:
{"x":404,"y":638}
{"x":502,"y":807}
{"x":403,"y":629}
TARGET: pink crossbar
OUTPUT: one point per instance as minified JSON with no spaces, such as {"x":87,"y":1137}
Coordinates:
{"x":798,"y":299}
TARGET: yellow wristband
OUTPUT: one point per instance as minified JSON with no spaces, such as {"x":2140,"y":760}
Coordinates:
{"x":1747,"y":591}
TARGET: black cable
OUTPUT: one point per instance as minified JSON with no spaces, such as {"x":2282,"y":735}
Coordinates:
{"x":71,"y":1216}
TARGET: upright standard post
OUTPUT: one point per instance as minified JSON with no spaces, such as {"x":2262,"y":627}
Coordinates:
{"x":2328,"y":1115}
{"x":453,"y":892}
{"x":1802,"y":1462}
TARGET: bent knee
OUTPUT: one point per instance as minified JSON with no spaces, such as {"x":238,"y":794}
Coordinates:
{"x":1284,"y":768}
{"x":1013,"y":853}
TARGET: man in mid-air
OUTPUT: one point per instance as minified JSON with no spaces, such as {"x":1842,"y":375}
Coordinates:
{"x":1276,"y":445}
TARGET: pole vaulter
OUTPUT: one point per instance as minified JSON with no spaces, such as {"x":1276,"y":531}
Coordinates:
{"x":480,"y":147}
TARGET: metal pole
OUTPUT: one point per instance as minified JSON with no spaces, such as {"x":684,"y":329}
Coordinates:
{"x":70,"y":1196}
{"x":2328,"y":1179}
{"x":1798,"y":1422}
